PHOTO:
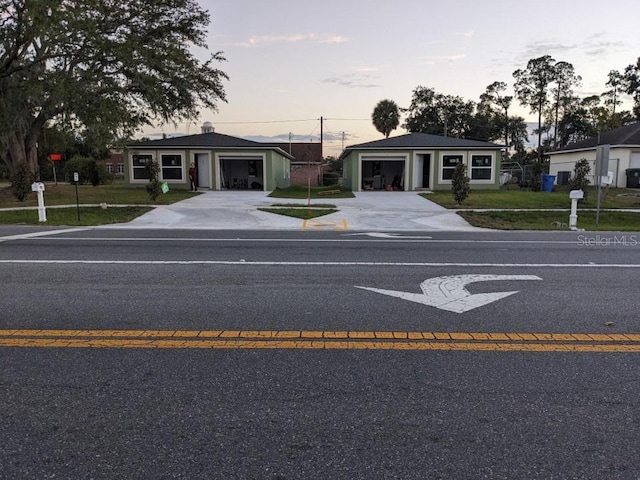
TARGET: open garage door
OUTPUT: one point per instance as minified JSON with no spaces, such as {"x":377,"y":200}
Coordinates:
{"x":383,"y":173}
{"x":242,"y":173}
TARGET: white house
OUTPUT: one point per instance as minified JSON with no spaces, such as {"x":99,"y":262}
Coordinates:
{"x":624,"y":153}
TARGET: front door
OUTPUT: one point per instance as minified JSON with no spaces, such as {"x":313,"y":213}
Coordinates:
{"x":204,"y":170}
{"x":423,"y":170}
{"x":426,"y":169}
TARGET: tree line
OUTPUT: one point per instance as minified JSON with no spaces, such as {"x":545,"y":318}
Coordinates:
{"x":546,"y":87}
{"x":99,"y":69}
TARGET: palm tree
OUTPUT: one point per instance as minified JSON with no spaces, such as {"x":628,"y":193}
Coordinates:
{"x":386,"y":117}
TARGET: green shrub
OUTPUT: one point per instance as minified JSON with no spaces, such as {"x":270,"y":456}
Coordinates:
{"x":21,"y":181}
{"x":537,"y":169}
{"x":88,"y":171}
{"x":578,"y":180}
{"x":460,"y":183}
{"x":154,"y":188}
{"x":330,"y":178}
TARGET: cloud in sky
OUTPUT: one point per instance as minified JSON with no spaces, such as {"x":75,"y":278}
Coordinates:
{"x":444,"y":59}
{"x":362,"y":78}
{"x":468,"y":33}
{"x":297,"y":37}
{"x":538,"y":49}
{"x":365,"y":69}
{"x":596,"y":46}
{"x":256,"y":40}
{"x":349,"y":81}
{"x":603,"y":47}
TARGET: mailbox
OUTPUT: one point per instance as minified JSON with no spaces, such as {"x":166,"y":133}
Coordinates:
{"x":38,"y":187}
{"x":576,"y":194}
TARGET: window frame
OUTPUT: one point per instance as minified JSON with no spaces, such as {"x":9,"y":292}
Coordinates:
{"x":448,"y":168}
{"x":178,"y":168}
{"x":491,"y":168}
{"x":137,"y":168}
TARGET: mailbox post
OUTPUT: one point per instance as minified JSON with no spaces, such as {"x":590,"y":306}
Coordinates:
{"x":38,"y":187}
{"x":574,"y":195}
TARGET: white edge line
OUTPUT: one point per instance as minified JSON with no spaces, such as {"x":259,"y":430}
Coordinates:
{"x":362,"y":264}
{"x":283,"y":240}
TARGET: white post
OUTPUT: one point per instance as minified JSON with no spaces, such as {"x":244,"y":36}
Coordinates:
{"x":38,"y":187}
{"x":574,"y":195}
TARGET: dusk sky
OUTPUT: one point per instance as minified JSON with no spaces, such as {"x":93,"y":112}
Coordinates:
{"x":291,"y":62}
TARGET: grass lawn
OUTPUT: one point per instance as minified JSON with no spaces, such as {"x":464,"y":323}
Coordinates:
{"x":300,"y":192}
{"x":89,"y":216}
{"x":617,"y":221}
{"x":527,"y":199}
{"x":298,"y":212}
{"x":115,"y":193}
{"x":303,"y":205}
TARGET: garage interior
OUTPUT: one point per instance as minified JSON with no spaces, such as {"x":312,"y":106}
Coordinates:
{"x":383,"y":174}
{"x":241,"y":173}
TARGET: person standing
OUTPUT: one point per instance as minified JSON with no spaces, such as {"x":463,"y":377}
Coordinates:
{"x":193,"y":177}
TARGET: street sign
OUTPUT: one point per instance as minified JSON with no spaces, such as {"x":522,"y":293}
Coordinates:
{"x":602,"y":160}
{"x":76,"y":177}
{"x":449,"y":293}
{"x":602,"y":168}
{"x":55,"y":157}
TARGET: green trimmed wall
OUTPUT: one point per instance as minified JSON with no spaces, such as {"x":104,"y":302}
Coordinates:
{"x":352,"y":159}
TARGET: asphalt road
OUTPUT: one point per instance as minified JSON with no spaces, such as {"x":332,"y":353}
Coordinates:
{"x":213,"y":354}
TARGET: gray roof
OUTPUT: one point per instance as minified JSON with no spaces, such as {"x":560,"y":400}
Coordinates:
{"x":422,"y":140}
{"x":627,"y":135}
{"x":207,"y":140}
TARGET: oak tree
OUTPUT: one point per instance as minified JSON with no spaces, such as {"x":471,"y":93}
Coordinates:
{"x":100,"y":67}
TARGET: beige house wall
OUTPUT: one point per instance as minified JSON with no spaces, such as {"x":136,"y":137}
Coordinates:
{"x":618,"y":163}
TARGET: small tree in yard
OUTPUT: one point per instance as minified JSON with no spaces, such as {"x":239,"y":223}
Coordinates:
{"x":21,"y":182}
{"x":579,"y":179}
{"x":154,"y":188}
{"x":460,"y":183}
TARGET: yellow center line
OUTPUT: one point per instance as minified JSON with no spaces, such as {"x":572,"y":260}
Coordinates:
{"x":328,"y":340}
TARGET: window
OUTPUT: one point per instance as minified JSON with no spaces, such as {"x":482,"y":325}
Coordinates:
{"x":171,"y":167}
{"x":121,"y":168}
{"x":449,"y":162}
{"x":109,"y":167}
{"x":139,"y":166}
{"x":481,"y":167}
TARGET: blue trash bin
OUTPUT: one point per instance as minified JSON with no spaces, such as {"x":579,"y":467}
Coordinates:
{"x":547,"y":182}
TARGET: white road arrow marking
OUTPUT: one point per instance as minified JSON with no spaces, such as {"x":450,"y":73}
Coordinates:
{"x":387,"y":235}
{"x":449,"y":293}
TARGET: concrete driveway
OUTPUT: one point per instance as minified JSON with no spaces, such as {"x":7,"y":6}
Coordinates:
{"x":368,"y":211}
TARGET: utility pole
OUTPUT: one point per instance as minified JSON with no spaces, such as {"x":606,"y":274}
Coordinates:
{"x":321,"y":154}
{"x":321,"y":135}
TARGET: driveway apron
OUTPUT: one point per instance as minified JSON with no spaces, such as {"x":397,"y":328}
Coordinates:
{"x":368,"y":211}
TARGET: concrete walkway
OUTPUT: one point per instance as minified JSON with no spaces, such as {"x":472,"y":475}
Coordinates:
{"x":368,"y":211}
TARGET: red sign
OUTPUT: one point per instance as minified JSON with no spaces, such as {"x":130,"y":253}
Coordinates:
{"x":55,"y":157}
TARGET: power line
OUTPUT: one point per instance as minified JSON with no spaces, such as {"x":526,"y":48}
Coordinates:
{"x":268,"y":121}
{"x":295,"y":121}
